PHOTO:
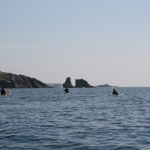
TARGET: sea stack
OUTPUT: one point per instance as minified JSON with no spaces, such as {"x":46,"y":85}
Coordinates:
{"x":80,"y":83}
{"x":68,"y":83}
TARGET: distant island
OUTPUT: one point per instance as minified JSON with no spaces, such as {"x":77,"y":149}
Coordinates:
{"x":9,"y":80}
{"x":53,"y":85}
{"x":104,"y":85}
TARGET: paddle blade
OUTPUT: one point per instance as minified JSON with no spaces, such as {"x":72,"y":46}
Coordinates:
{"x":61,"y":86}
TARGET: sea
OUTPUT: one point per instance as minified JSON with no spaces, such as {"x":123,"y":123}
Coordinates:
{"x":85,"y":119}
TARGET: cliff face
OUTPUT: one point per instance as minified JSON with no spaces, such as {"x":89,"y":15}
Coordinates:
{"x":68,"y":83}
{"x":80,"y":83}
{"x":9,"y":80}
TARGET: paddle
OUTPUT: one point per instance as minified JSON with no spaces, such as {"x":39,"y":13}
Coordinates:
{"x":61,"y":86}
{"x":8,"y":91}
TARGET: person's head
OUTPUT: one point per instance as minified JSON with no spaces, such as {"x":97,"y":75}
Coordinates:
{"x":2,"y":87}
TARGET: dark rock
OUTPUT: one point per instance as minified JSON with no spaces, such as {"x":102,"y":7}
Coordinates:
{"x":68,"y":83}
{"x":80,"y":83}
{"x":9,"y":80}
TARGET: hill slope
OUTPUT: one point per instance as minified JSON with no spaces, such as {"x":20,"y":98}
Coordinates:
{"x":9,"y":80}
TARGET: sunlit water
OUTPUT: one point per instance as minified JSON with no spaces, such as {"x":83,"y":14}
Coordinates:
{"x":87,"y":119}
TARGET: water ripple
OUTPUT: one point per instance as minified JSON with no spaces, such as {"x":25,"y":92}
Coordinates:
{"x":87,"y":119}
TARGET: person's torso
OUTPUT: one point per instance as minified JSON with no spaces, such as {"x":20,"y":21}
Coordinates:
{"x":3,"y":92}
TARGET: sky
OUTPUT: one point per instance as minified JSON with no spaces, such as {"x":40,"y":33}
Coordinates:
{"x":101,"y":41}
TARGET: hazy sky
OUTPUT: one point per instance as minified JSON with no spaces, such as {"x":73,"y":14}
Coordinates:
{"x":101,"y":41}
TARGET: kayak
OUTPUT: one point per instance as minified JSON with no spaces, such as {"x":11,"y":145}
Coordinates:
{"x":116,"y":95}
{"x":4,"y":95}
{"x":67,"y":93}
{"x":8,"y":93}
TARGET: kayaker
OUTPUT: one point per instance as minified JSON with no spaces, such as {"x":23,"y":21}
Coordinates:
{"x":66,"y":90}
{"x":115,"y":92}
{"x":3,"y":91}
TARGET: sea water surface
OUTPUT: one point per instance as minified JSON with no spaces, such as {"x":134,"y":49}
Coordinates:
{"x":87,"y":119}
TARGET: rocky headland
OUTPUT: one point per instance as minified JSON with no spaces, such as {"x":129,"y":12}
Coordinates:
{"x":9,"y":80}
